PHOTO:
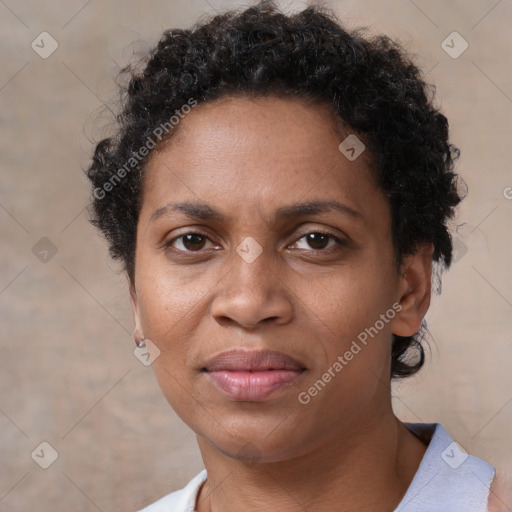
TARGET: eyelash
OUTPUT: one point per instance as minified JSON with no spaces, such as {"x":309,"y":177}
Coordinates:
{"x":340,"y":243}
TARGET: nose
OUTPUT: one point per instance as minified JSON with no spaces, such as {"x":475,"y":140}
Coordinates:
{"x":252,"y":292}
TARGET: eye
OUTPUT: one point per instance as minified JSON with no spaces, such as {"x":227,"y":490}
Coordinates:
{"x":196,"y":241}
{"x":190,"y":242}
{"x":317,"y":241}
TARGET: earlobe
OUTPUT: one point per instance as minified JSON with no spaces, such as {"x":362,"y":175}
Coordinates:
{"x":138,"y":333}
{"x":414,"y":291}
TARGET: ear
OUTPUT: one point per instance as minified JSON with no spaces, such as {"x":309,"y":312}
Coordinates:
{"x":135,"y":309}
{"x":414,"y":291}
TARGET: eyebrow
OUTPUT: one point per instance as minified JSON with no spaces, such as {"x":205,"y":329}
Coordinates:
{"x":203,"y":211}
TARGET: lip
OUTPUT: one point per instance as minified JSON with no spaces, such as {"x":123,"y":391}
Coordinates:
{"x":252,"y":375}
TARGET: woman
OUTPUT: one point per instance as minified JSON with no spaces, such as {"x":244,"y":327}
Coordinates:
{"x":277,"y":192}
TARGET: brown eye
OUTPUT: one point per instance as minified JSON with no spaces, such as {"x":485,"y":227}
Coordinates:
{"x":318,"y":241}
{"x":191,"y":242}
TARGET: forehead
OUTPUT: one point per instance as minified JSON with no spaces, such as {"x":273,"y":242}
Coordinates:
{"x":258,"y":152}
{"x":289,"y":126}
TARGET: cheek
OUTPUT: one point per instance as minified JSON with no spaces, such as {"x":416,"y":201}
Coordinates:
{"x":171,"y":301}
{"x":354,"y":315}
{"x":170,"y":314}
{"x":350,"y":300}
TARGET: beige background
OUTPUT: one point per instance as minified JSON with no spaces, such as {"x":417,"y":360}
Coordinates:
{"x":68,"y":373}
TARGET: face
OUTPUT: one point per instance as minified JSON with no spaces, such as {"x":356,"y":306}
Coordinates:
{"x":238,"y":268}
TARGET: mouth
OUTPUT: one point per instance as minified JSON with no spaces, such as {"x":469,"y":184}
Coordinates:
{"x":254,"y":375}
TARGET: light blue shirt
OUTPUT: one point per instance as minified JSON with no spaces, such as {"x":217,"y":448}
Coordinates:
{"x":447,"y":480}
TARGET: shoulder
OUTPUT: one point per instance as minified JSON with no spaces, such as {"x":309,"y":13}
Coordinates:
{"x":500,"y":495}
{"x":448,"y":478}
{"x":182,"y":500}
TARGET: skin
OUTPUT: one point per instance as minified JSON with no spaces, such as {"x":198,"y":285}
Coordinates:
{"x":500,"y":495}
{"x":246,"y":158}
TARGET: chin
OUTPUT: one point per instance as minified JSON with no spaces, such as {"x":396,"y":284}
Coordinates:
{"x":254,"y":444}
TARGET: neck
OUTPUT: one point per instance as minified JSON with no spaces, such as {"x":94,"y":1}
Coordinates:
{"x":367,"y":468}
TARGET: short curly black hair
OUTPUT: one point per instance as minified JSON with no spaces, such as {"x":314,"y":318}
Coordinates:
{"x":372,"y":83}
